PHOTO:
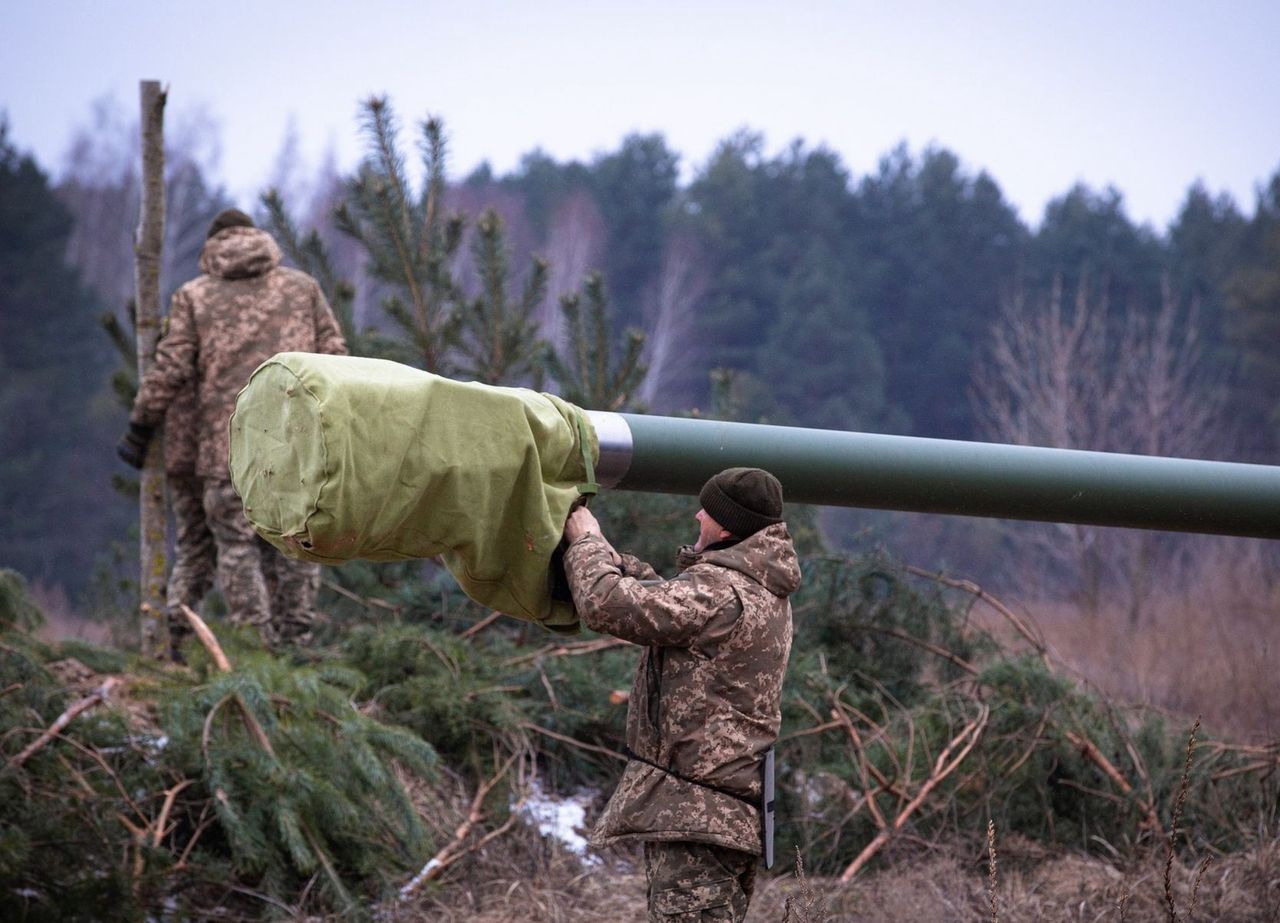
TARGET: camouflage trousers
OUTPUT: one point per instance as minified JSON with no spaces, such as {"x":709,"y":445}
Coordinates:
{"x":262,"y":587}
{"x":194,"y":555}
{"x":698,"y":882}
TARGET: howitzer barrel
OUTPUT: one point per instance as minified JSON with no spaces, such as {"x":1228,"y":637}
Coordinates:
{"x":677,"y":455}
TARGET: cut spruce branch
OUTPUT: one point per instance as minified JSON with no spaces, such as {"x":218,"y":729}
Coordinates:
{"x":564,"y":738}
{"x":88,"y":702}
{"x":1020,"y":625}
{"x":458,"y":847}
{"x":574,"y":649}
{"x":263,"y":740}
{"x":946,"y":764}
{"x":1090,"y":751}
{"x":371,"y":602}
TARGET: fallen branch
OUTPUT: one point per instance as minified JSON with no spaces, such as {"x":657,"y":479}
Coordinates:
{"x":455,"y":848}
{"x":942,"y":767}
{"x":1090,"y":751}
{"x":207,"y":639}
{"x":251,"y":723}
{"x":929,"y":646}
{"x":816,"y":729}
{"x":1262,"y":766}
{"x":158,"y":833}
{"x":979,"y":593}
{"x":575,"y":649}
{"x":370,"y":603}
{"x":574,"y":742}
{"x":865,"y":767}
{"x":481,"y":625}
{"x":64,"y":719}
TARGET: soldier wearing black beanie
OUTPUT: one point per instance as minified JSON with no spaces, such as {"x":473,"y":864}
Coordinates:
{"x":705,"y":708}
{"x":743,"y":500}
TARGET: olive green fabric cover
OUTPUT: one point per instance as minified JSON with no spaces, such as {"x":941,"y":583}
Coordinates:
{"x":340,"y":457}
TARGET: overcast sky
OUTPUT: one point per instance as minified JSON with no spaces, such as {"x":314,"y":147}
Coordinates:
{"x":1145,"y":96}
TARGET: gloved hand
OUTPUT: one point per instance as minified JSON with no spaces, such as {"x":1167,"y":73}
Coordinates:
{"x":132,"y":447}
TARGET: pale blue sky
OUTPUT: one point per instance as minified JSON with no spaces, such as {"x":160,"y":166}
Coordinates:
{"x":1146,"y":96}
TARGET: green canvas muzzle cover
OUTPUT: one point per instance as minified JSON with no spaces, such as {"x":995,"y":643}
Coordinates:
{"x":340,"y":457}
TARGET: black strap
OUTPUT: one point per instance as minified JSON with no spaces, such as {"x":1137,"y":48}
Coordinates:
{"x":627,"y":751}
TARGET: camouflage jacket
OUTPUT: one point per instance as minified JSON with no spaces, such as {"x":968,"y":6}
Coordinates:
{"x":706,"y":701}
{"x":243,"y":310}
{"x":180,"y":444}
{"x":181,"y":447}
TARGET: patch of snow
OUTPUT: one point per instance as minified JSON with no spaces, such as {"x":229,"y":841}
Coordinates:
{"x":561,"y":817}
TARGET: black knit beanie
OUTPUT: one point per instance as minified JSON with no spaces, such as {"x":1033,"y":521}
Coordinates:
{"x":743,"y":500}
{"x":229,"y":218}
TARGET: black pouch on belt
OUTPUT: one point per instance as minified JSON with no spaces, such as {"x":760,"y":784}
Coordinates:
{"x":766,"y":808}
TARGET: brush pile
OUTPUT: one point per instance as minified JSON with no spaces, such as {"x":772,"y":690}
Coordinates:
{"x":384,"y":771}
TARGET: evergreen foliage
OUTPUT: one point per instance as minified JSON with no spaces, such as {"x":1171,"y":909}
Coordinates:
{"x":497,"y":337}
{"x":300,"y":779}
{"x":591,"y":372}
{"x":308,"y":252}
{"x":52,"y":368}
{"x":635,"y":187}
{"x":16,"y":609}
{"x":293,"y":783}
{"x":410,"y":241}
{"x":62,"y":836}
{"x":1253,"y":305}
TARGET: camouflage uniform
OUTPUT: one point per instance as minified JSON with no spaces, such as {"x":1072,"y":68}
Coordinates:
{"x":194,"y":558}
{"x":697,"y":882}
{"x":244,"y":309}
{"x":705,"y":704}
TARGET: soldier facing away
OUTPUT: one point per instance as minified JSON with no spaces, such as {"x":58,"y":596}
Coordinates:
{"x":705,"y":705}
{"x":244,"y":308}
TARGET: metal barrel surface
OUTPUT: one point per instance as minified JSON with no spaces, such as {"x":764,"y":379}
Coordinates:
{"x":830,"y":468}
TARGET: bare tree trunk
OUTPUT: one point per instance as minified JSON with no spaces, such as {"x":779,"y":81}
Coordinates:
{"x":147,"y":256}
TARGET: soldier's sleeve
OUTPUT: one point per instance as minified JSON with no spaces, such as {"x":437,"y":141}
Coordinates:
{"x":329,"y":338}
{"x":634,"y":567}
{"x":668,"y":614}
{"x":175,"y":365}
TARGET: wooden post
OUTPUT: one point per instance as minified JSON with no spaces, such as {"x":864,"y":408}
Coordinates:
{"x":147,"y":254}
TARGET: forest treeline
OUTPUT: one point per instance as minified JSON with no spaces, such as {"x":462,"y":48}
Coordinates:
{"x":362,"y":776}
{"x":913,"y":299}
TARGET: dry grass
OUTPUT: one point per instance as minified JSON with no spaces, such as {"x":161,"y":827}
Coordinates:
{"x":531,"y":881}
{"x":1210,"y":650}
{"x":61,"y":620}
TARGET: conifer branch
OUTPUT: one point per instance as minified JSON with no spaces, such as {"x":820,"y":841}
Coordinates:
{"x":454,"y":849}
{"x":943,"y":766}
{"x":1090,"y":751}
{"x":89,"y":701}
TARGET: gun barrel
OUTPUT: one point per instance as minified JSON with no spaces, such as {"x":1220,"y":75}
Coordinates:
{"x":826,"y":467}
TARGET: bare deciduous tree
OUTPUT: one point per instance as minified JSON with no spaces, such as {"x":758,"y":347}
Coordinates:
{"x":101,"y":186}
{"x":672,"y":357}
{"x":1080,"y":379}
{"x":574,"y":246}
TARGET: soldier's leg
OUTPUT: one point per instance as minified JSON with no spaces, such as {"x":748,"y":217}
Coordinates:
{"x":239,"y":567}
{"x":293,"y":600}
{"x":194,"y":558}
{"x":698,"y":883}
